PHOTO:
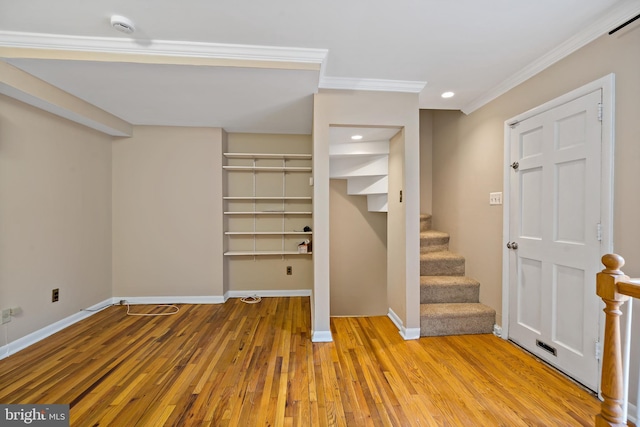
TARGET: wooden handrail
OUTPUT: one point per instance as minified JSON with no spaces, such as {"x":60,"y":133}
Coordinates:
{"x":615,"y":288}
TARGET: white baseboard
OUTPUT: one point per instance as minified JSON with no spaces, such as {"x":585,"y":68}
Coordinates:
{"x":32,"y":338}
{"x":395,"y":319}
{"x":633,"y":413}
{"x":266,"y":294}
{"x":410,"y":333}
{"x":406,"y":333}
{"x":321,"y":336}
{"x":172,"y":300}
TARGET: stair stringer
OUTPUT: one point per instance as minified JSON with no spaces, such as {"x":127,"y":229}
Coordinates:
{"x":366,"y":175}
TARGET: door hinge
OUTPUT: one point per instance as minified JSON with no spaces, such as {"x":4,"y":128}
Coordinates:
{"x":599,"y":232}
{"x":600,"y":111}
{"x":598,"y":350}
{"x":514,"y":124}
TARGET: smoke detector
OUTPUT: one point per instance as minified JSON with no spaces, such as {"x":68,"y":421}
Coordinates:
{"x":122,"y":24}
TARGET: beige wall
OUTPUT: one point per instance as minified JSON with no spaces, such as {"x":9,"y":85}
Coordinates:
{"x":360,"y":108}
{"x":358,"y":254}
{"x":426,"y":161}
{"x":55,"y":216}
{"x":268,"y":273}
{"x":468,"y":158}
{"x":396,"y":228}
{"x":167,"y":217}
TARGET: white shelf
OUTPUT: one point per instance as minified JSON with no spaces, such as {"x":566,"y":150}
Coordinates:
{"x":267,"y":156}
{"x":258,"y":212}
{"x":269,"y":168}
{"x":266,"y":233}
{"x":253,"y":253}
{"x":267,"y":213}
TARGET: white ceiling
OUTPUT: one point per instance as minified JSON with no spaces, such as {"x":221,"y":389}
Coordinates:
{"x":475,"y":48}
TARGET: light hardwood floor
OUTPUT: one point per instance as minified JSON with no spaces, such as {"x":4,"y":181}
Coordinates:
{"x":237,"y":364}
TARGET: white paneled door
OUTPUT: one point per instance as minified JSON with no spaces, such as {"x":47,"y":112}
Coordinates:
{"x":554,"y":247}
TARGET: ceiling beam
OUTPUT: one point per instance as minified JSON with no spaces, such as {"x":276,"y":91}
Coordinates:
{"x":24,"y":87}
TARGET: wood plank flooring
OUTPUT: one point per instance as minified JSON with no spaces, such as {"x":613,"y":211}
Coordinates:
{"x":237,"y":364}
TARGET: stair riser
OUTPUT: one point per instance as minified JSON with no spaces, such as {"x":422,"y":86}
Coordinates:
{"x":449,"y":294}
{"x":425,"y":223}
{"x":433,"y":247}
{"x":442,"y":268}
{"x":443,"y":325}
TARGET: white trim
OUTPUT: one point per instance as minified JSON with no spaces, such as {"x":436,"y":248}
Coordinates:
{"x":614,"y":17}
{"x":172,"y":300}
{"x":633,"y":413}
{"x":349,"y":83}
{"x":607,"y":85}
{"x":405,"y":333}
{"x":410,"y":333}
{"x":321,"y":336}
{"x":21,"y":343}
{"x":263,"y":294}
{"x":394,"y":318}
{"x":506,"y":200}
{"x":162,"y":47}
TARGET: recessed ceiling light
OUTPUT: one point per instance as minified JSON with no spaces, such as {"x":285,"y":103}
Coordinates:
{"x":356,"y":137}
{"x":447,"y":94}
{"x":122,"y":24}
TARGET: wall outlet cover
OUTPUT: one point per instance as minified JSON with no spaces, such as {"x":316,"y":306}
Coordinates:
{"x":6,"y":316}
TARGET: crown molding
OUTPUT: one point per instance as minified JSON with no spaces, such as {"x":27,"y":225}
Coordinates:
{"x":24,"y":40}
{"x":603,"y":25}
{"x":382,"y":85}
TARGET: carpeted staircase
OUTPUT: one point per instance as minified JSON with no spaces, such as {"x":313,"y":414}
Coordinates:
{"x":449,"y":300}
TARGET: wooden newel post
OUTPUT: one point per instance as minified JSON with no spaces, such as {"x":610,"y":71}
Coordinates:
{"x":611,"y":384}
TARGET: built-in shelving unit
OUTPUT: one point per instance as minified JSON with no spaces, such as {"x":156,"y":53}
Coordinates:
{"x":267,"y":203}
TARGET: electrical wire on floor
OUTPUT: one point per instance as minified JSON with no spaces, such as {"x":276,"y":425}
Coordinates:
{"x":97,"y":309}
{"x":6,"y":340}
{"x":251,"y":299}
{"x":169,"y":313}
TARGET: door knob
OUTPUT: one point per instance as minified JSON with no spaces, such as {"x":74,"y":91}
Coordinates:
{"x":512,"y":245}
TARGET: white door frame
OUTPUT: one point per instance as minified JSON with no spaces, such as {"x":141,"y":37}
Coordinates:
{"x":607,"y":84}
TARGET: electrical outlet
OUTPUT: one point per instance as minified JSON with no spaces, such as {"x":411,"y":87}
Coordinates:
{"x":495,"y":198}
{"x":55,"y":295}
{"x":289,"y":270}
{"x":6,"y":316}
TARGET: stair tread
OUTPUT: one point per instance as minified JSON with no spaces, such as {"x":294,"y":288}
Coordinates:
{"x":434,"y":234}
{"x":441,"y":255}
{"x":448,"y":281}
{"x":455,"y":310}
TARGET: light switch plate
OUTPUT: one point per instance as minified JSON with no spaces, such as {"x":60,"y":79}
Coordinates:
{"x":495,"y":198}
